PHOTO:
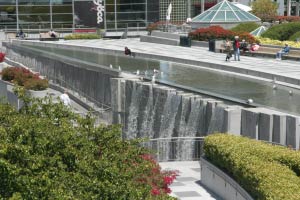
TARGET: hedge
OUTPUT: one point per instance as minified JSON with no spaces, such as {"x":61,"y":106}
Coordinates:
{"x":263,"y":170}
{"x":282,"y":31}
{"x":245,"y":27}
{"x":77,"y":36}
{"x":295,"y":36}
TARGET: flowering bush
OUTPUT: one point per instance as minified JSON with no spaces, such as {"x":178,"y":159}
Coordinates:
{"x":278,"y":42}
{"x":288,"y":18}
{"x":217,"y":32}
{"x":2,"y":56}
{"x":158,"y":180}
{"x":24,"y":77}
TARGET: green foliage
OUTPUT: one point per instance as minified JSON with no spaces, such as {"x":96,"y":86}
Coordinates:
{"x":48,"y":152}
{"x":245,"y":27}
{"x":258,"y":167}
{"x":295,"y":36}
{"x":77,"y":36}
{"x":24,"y":77}
{"x":266,"y":10}
{"x":282,"y":31}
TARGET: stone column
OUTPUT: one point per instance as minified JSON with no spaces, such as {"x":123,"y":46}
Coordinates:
{"x":279,"y":129}
{"x":297,"y":8}
{"x":232,"y":120}
{"x":292,"y":131}
{"x":249,"y":123}
{"x":202,"y":5}
{"x":288,"y":7}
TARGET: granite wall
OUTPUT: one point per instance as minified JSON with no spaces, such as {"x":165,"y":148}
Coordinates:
{"x":157,"y":111}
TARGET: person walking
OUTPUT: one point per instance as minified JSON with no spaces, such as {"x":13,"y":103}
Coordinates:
{"x":227,"y":46}
{"x":236,"y":48}
{"x":65,"y":99}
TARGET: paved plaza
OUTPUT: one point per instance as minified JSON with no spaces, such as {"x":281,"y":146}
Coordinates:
{"x":262,"y":66}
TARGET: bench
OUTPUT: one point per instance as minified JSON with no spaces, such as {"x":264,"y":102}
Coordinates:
{"x":270,"y":52}
{"x":47,"y":37}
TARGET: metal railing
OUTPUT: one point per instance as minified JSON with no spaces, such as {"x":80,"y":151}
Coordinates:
{"x":95,"y":104}
{"x":176,"y":148}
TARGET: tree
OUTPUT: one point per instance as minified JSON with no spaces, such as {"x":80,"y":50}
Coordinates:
{"x":266,"y":10}
{"x":48,"y":152}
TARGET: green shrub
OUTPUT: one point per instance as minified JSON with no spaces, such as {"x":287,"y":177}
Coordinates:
{"x":36,"y":84}
{"x":282,"y":31}
{"x":77,"y":36}
{"x":245,"y":27}
{"x":48,"y":152}
{"x":295,"y":36}
{"x":258,"y":167}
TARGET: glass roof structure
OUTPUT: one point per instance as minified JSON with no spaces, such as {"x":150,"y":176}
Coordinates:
{"x":258,"y":31}
{"x":225,"y":12}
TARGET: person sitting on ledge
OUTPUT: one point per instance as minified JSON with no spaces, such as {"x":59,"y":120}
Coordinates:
{"x":254,"y":47}
{"x":127,"y":51}
{"x":244,"y":46}
{"x":283,"y":51}
{"x":52,"y":34}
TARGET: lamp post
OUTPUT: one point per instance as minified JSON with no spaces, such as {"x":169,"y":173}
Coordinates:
{"x":17,"y":13}
{"x":50,"y":2}
{"x":202,"y":5}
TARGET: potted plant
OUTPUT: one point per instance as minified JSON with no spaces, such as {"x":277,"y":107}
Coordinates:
{"x":32,"y":82}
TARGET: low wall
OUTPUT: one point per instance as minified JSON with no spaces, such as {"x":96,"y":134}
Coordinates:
{"x":220,"y":183}
{"x":159,"y":40}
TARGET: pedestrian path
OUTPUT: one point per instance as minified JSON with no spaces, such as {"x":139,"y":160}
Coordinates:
{"x":187,"y":185}
{"x":253,"y":66}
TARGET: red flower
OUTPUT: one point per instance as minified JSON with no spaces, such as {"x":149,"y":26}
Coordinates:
{"x":2,"y":56}
{"x":155,"y":191}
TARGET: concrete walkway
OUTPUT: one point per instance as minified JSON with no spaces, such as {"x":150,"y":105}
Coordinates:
{"x":284,"y":71}
{"x":187,"y":185}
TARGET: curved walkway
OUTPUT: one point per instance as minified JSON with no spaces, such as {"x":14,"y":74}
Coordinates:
{"x":187,"y":184}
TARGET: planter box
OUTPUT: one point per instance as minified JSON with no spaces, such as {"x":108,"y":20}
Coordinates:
{"x":38,"y":94}
{"x":220,"y":183}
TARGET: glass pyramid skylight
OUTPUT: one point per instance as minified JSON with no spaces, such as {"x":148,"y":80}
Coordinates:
{"x":225,"y":12}
{"x":258,"y":31}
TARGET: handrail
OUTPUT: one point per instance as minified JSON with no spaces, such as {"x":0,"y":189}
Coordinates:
{"x":103,"y":106}
{"x":174,"y":138}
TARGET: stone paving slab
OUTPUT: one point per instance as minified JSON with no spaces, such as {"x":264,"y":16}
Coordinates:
{"x":187,"y":185}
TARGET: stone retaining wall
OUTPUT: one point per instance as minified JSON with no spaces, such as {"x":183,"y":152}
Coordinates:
{"x":153,"y":110}
{"x":220,"y":183}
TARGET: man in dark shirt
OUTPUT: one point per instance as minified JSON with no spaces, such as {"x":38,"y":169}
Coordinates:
{"x":127,"y":51}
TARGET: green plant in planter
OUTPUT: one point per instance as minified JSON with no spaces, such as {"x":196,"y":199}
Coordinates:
{"x":24,"y":77}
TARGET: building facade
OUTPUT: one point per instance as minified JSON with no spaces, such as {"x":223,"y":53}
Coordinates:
{"x":77,"y":14}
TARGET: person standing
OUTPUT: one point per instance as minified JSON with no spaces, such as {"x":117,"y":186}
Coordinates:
{"x":236,"y":48}
{"x":228,"y":49}
{"x":65,"y":99}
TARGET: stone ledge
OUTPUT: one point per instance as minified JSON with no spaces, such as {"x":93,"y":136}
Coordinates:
{"x":220,"y":183}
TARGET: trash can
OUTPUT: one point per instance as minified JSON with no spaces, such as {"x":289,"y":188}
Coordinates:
{"x":212,"y":45}
{"x":185,"y":41}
